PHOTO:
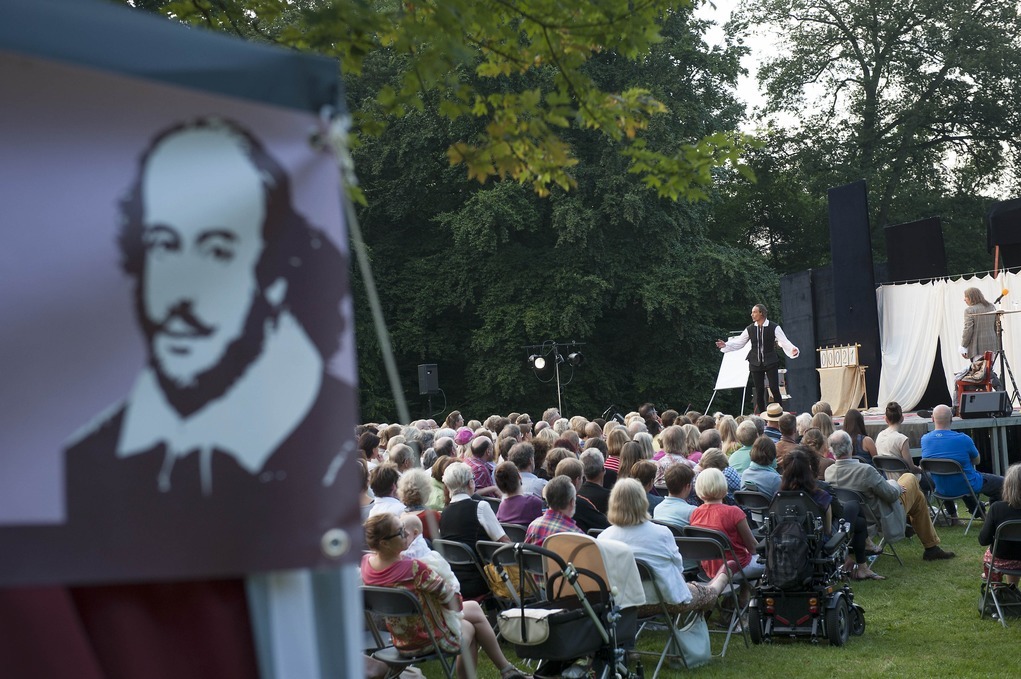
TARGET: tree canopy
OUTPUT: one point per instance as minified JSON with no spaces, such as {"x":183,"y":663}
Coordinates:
{"x":475,"y":59}
{"x":915,"y":97}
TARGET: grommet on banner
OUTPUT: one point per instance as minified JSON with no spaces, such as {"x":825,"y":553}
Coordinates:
{"x":335,"y":543}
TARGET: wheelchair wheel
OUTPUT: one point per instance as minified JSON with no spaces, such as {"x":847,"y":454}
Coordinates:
{"x":857,"y":620}
{"x":838,"y":623}
{"x":755,"y":625}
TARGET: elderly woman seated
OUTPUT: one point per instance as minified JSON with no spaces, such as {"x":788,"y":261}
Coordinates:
{"x":654,"y":544}
{"x":385,"y":567}
{"x":468,"y":520}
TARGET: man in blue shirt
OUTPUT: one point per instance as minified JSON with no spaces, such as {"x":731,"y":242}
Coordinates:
{"x":953,"y":445}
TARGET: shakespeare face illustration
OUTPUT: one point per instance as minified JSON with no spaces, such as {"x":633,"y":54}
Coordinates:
{"x":198,"y":294}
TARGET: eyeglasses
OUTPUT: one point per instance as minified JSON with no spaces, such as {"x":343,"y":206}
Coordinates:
{"x":399,"y":533}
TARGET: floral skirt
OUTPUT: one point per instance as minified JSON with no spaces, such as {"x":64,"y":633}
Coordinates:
{"x":1009,"y":564}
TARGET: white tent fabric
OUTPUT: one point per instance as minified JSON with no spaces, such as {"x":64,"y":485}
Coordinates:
{"x":912,"y":316}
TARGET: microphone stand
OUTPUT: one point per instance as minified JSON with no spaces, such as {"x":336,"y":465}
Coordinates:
{"x":1005,"y":368}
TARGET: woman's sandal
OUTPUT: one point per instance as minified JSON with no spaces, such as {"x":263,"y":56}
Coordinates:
{"x":511,"y":672}
{"x":871,"y":576}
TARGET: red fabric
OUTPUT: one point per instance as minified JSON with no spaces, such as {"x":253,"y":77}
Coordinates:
{"x":723,"y":518}
{"x":199,"y":630}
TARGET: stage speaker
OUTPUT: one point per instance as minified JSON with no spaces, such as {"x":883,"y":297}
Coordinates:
{"x":915,"y":251}
{"x":984,"y":404}
{"x":428,"y":379}
{"x":1003,"y":228}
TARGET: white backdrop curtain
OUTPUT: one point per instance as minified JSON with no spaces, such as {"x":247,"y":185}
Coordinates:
{"x":912,"y":316}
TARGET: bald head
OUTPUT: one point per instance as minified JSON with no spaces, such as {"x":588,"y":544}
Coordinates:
{"x":941,"y":416}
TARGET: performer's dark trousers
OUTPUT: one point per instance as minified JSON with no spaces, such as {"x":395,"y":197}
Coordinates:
{"x":759,"y":377}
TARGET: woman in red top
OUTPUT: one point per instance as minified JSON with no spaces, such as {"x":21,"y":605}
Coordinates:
{"x":711,"y":487}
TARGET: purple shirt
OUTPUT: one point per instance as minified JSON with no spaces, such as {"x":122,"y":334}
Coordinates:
{"x":520,"y":509}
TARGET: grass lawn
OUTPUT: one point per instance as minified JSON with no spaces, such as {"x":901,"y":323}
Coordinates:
{"x":922,"y":621}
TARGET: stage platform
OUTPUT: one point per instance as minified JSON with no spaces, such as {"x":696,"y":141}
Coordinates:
{"x":990,"y":433}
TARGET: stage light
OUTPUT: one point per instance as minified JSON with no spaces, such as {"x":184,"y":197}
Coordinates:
{"x":537,"y":361}
{"x":575,"y":358}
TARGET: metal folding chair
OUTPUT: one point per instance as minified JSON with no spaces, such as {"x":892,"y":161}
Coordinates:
{"x":516,"y":532}
{"x":851,"y":495}
{"x":494,"y":502}
{"x":672,"y":648}
{"x":392,"y":602}
{"x":705,"y":544}
{"x":462,"y":558}
{"x":940,"y":468}
{"x":678,"y":531}
{"x":755,"y":504}
{"x":1006,"y":532}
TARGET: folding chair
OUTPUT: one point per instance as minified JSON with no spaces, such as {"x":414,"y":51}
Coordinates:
{"x":462,"y":558}
{"x":851,"y":495}
{"x":494,"y":502}
{"x":392,"y":602}
{"x":755,"y":505}
{"x":516,"y":532}
{"x":654,"y":595}
{"x":706,"y":544}
{"x":594,"y":532}
{"x":1006,"y":532}
{"x":678,"y":531}
{"x":940,"y":468}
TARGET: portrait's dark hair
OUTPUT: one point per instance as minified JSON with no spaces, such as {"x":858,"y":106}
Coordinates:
{"x":293,"y":249}
{"x":762,"y":309}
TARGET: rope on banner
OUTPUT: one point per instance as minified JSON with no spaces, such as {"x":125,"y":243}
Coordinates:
{"x":332,"y":136}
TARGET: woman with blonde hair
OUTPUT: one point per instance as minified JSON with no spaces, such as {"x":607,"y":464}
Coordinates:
{"x":654,"y":545}
{"x":1006,"y":509}
{"x":819,"y":445}
{"x":691,"y":436}
{"x":728,"y":433}
{"x":414,"y":489}
{"x":711,"y":487}
{"x":645,"y":440}
{"x":823,"y":423}
{"x":615,"y":441}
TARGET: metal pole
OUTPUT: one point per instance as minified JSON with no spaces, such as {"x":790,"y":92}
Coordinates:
{"x":556,"y":367}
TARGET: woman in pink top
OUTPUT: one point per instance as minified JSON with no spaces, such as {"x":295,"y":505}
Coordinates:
{"x":384,"y":567}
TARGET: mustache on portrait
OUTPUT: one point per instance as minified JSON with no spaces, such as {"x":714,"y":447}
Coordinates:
{"x":183,"y":312}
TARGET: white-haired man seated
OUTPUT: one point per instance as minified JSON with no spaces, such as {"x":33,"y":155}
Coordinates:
{"x":882,"y":494}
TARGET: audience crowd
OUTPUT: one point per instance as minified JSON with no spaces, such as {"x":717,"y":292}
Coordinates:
{"x":634,"y":478}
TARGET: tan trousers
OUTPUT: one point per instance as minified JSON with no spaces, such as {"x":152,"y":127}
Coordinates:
{"x":917,"y":510}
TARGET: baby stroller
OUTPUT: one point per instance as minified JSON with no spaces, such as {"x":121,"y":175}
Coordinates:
{"x":802,"y":592}
{"x":588,"y":608}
